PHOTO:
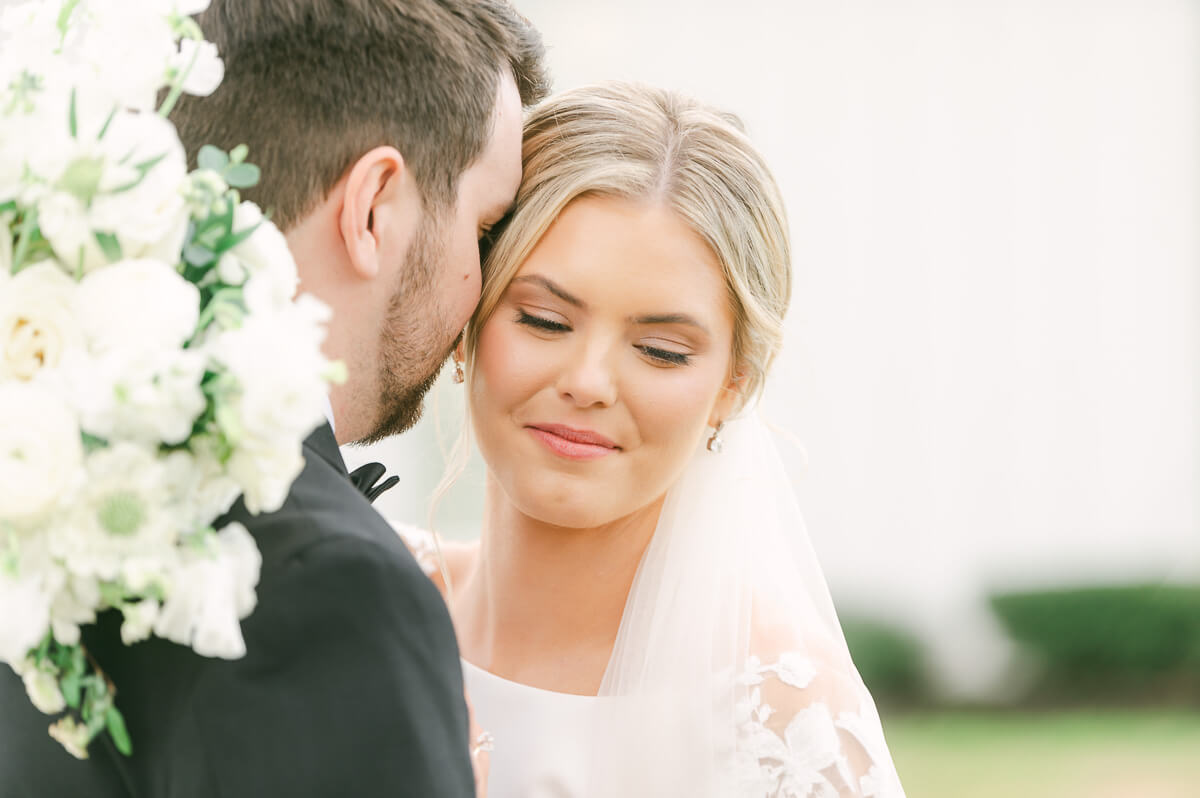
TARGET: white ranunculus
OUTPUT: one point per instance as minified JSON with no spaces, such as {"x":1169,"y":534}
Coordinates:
{"x":42,"y":688}
{"x":119,"y":519}
{"x":40,"y":451}
{"x":273,"y":278}
{"x":207,"y":70}
{"x":37,"y":324}
{"x":212,"y":591}
{"x":137,"y":305}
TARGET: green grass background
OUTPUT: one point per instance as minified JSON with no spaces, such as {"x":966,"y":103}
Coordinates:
{"x":1075,"y":754}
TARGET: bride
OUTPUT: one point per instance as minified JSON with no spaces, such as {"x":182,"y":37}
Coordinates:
{"x":643,"y":614}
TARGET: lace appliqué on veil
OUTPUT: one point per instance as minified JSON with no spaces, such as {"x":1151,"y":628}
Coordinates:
{"x":792,"y":744}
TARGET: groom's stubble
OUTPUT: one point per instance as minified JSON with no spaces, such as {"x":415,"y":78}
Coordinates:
{"x":413,"y":347}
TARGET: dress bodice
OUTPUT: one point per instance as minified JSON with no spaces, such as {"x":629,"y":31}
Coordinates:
{"x":542,"y":738}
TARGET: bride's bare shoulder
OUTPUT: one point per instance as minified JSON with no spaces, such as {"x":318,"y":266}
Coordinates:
{"x":459,"y":556}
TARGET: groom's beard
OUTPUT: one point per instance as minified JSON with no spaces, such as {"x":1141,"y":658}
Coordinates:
{"x":412,"y":349}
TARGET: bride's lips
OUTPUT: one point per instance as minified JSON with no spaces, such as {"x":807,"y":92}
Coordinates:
{"x":571,"y":443}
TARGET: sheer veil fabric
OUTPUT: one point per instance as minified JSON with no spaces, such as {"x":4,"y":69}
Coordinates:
{"x":730,"y":675}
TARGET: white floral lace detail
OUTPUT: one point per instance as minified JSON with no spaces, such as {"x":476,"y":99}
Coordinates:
{"x":422,"y":545}
{"x":798,"y":748}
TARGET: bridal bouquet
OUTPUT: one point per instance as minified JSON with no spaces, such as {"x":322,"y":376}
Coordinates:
{"x":154,"y":365}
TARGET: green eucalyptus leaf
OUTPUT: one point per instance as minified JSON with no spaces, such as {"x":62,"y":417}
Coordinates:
{"x":239,"y":153}
{"x":242,"y":175}
{"x":231,"y":240}
{"x":72,"y":117}
{"x":116,"y":728}
{"x":8,"y":207}
{"x":213,"y":158}
{"x":198,"y":255}
{"x":92,"y":442}
{"x":70,"y":686}
{"x":110,"y":246}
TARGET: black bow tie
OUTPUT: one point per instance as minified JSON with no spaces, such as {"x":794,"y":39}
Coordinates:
{"x":365,"y":477}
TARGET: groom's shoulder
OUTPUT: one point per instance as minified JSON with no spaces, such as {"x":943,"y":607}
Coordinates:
{"x":324,"y":517}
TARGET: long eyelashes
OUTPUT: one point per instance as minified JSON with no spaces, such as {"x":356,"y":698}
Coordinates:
{"x":665,"y":356}
{"x":661,"y":356}
{"x":539,"y":323}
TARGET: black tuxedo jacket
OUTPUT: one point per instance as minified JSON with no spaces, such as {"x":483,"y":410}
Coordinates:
{"x":351,"y":685}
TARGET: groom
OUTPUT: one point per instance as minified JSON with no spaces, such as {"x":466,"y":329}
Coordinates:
{"x":389,"y":133}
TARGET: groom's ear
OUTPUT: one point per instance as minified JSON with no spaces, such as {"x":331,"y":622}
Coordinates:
{"x":377,"y":183}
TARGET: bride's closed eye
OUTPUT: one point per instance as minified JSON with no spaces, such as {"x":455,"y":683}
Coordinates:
{"x":664,"y":357}
{"x":541,"y":323}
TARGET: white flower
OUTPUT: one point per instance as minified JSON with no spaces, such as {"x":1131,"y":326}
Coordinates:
{"x":139,"y":618}
{"x":149,"y":220}
{"x":42,"y":688}
{"x":200,"y":490}
{"x":277,"y":362}
{"x":135,"y":305}
{"x":40,"y":451}
{"x":140,"y":31}
{"x":119,"y":522}
{"x":26,"y":616}
{"x":72,"y":736}
{"x":268,"y":261}
{"x":75,"y":601}
{"x":207,"y":70}
{"x":211,"y":593}
{"x":149,"y":396}
{"x":37,"y":323}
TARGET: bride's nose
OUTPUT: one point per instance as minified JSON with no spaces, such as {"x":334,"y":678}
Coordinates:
{"x":588,"y":377}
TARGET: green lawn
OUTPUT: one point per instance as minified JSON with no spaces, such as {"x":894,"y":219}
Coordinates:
{"x":1076,"y":754}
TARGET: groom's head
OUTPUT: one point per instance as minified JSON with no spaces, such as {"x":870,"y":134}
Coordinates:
{"x":389,"y":136}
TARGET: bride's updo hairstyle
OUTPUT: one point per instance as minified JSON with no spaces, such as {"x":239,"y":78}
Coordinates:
{"x":634,"y":142}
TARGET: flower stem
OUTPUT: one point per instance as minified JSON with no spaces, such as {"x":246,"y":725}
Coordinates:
{"x":28,"y":225}
{"x":177,"y":87}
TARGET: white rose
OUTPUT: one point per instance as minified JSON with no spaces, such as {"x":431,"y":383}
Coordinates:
{"x":43,"y":690}
{"x":137,"y":304}
{"x":206,"y":71}
{"x":37,"y":324}
{"x":40,"y":451}
{"x":26,"y":616}
{"x":212,"y":592}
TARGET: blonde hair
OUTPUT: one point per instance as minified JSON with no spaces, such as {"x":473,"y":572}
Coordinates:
{"x":636,"y":142}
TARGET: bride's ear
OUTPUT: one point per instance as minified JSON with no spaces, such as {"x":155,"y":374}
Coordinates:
{"x":375,"y":185}
{"x":730,"y":397}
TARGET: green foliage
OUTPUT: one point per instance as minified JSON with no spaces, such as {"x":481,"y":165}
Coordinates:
{"x":890,"y":660}
{"x":1118,"y":643}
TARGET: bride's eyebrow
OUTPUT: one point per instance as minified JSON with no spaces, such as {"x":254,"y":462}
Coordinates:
{"x":552,"y":287}
{"x":671,"y":318}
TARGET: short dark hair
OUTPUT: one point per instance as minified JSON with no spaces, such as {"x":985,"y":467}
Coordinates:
{"x":311,"y":85}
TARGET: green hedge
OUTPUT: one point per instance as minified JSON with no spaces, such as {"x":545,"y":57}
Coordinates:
{"x":890,"y":660}
{"x":1117,"y":643}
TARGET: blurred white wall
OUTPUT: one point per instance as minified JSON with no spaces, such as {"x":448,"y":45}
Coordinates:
{"x":994,"y":346}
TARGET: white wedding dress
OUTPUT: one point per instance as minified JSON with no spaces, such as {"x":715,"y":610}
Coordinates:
{"x":730,"y":677}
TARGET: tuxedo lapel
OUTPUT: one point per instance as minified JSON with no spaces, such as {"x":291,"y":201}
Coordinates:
{"x":323,"y":444}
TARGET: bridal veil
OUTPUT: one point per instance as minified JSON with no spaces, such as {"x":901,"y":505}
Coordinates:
{"x":730,"y":675}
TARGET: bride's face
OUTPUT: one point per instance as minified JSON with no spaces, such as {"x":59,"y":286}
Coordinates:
{"x":603,"y":364}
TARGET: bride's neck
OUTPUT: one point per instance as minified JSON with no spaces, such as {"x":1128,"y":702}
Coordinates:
{"x":543,"y":603}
